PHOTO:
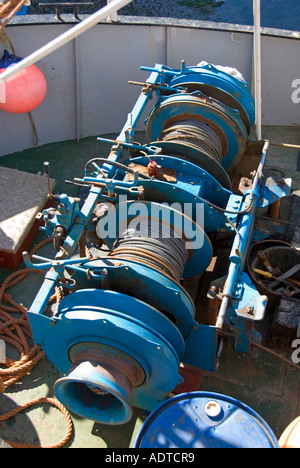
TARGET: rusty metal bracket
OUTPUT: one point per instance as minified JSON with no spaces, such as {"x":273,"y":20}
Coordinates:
{"x":74,"y":5}
{"x":247,"y":306}
{"x":273,"y":189}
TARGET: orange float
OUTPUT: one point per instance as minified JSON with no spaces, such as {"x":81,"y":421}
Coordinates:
{"x":23,"y":92}
{"x":291,"y":436}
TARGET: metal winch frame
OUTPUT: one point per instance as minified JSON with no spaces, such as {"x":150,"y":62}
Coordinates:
{"x":120,"y":335}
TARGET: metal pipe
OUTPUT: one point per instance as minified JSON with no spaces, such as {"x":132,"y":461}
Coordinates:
{"x":241,"y":242}
{"x":112,"y":16}
{"x":257,"y":66}
{"x":285,"y":145}
{"x":64,"y":38}
{"x":259,"y":172}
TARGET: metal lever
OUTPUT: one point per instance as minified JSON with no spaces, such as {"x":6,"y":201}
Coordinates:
{"x":150,"y":149}
{"x":156,"y":87}
{"x":47,"y":172}
{"x":49,"y":263}
{"x":240,"y":243}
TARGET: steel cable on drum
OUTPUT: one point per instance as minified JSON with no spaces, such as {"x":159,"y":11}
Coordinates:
{"x":154,"y":244}
{"x":197,"y":134}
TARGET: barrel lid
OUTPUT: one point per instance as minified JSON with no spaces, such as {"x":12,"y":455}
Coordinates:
{"x":205,"y":420}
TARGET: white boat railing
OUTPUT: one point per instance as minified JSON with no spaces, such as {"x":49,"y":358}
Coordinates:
{"x":257,"y":67}
{"x":102,"y":14}
{"x":114,"y":15}
{"x":110,"y":12}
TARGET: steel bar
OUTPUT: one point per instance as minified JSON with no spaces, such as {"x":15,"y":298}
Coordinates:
{"x":64,"y":38}
{"x":241,"y":242}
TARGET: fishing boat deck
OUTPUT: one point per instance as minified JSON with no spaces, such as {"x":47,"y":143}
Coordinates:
{"x":266,"y":383}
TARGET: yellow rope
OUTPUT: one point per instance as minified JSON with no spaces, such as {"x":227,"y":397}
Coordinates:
{"x":8,"y":9}
{"x":5,"y":40}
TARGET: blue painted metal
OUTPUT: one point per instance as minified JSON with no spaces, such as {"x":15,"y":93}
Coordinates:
{"x":209,"y":110}
{"x":215,"y":81}
{"x":150,"y":149}
{"x":205,"y":420}
{"x":238,"y":292}
{"x":78,"y":229}
{"x":212,"y":82}
{"x":197,"y":157}
{"x":193,"y":185}
{"x":144,"y":283}
{"x":65,"y":214}
{"x":265,"y":228}
{"x":123,"y":323}
{"x":88,"y":389}
{"x":273,"y":189}
{"x":23,"y":11}
{"x":125,"y":311}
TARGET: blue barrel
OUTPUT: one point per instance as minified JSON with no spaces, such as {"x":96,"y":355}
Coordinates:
{"x":205,"y":420}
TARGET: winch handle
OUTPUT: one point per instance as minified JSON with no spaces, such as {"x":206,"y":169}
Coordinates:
{"x":47,"y":263}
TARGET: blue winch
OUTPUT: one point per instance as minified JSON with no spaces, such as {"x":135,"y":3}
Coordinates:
{"x":118,"y":338}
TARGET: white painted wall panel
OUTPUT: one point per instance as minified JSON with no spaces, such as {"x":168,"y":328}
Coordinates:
{"x":281,"y":66}
{"x":88,"y":90}
{"x":109,"y":58}
{"x":217,"y":47}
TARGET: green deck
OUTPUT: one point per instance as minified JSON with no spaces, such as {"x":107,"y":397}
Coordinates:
{"x":265,"y":383}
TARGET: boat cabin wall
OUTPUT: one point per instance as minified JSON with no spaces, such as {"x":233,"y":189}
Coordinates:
{"x":88,"y":92}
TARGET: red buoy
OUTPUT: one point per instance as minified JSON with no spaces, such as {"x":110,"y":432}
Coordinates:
{"x":23,"y":92}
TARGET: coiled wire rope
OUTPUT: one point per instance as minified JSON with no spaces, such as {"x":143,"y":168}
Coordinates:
{"x":197,"y":134}
{"x":155,"y":244}
{"x":203,"y":137}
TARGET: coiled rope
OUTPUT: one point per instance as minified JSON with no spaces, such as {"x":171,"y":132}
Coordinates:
{"x":155,"y":245}
{"x":17,"y":332}
{"x":39,"y":401}
{"x":197,"y":134}
{"x":8,"y":9}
